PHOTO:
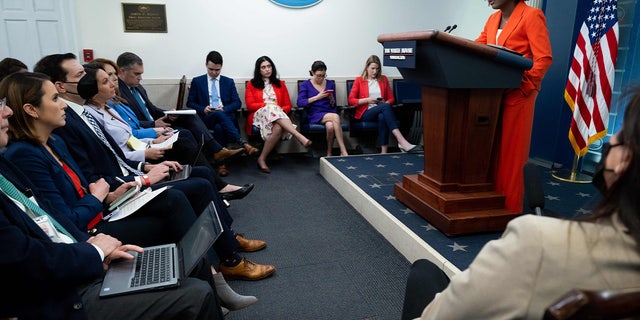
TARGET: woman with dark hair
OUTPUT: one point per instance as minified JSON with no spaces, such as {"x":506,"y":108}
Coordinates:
{"x":11,"y":65}
{"x":538,"y":259}
{"x":372,"y":96}
{"x":268,"y":102}
{"x":318,"y":96}
{"x":523,"y":29}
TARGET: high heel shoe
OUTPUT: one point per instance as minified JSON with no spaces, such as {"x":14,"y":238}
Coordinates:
{"x":264,"y":169}
{"x":412,"y":149}
{"x":307,"y":144}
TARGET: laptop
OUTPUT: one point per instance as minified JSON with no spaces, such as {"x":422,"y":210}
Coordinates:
{"x":186,"y":169}
{"x":164,"y":266}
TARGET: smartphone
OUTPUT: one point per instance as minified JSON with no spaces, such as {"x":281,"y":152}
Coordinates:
{"x":379,"y":98}
{"x":328,"y":91}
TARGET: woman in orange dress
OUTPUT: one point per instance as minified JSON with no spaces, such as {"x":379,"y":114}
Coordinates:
{"x":523,"y":29}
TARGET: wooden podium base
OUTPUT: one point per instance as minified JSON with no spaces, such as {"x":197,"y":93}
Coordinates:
{"x":454,"y":213}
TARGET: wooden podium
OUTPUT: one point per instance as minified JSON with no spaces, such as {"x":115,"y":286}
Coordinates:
{"x":462,"y":84}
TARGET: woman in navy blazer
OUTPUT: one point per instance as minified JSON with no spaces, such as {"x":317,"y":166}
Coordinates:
{"x":46,"y":161}
{"x":44,"y":158}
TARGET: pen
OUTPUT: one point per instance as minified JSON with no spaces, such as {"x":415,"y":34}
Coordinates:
{"x":119,"y":179}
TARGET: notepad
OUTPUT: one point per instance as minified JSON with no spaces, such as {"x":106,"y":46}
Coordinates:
{"x":132,"y":205}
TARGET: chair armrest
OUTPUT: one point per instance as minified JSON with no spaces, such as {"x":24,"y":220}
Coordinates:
{"x":607,"y":304}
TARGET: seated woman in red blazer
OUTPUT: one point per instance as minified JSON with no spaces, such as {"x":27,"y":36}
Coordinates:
{"x":268,"y":102}
{"x":372,"y":97}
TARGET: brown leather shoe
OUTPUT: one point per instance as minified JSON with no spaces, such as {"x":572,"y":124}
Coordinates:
{"x":247,"y":245}
{"x":250,"y":150}
{"x":247,"y":270}
{"x":226,"y":153}
{"x":223,"y":171}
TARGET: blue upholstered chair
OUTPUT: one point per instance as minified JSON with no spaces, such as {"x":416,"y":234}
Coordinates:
{"x":408,"y":97}
{"x":358,"y":128}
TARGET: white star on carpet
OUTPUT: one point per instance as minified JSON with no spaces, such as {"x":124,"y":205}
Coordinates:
{"x":552,"y":197}
{"x":583,"y":211}
{"x":408,"y":164}
{"x":368,"y":158}
{"x":428,"y":227}
{"x":584,"y":195}
{"x":553,"y":183}
{"x":395,"y":157}
{"x":406,"y":211}
{"x":457,"y":247}
{"x":393,"y":174}
{"x":379,"y":165}
{"x":390,"y":197}
{"x":342,"y":160}
{"x":351,"y":168}
{"x":362,"y":176}
{"x":375,"y":185}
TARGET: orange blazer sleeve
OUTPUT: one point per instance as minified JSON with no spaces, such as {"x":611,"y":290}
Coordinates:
{"x":253,"y":98}
{"x":526,"y":32}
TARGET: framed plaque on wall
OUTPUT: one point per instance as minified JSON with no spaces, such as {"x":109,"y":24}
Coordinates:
{"x":144,"y":17}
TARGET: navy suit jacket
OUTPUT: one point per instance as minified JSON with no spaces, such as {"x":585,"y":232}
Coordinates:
{"x":40,"y":276}
{"x":198,"y":97}
{"x":52,"y":181}
{"x":155,"y":112}
{"x":92,"y":156}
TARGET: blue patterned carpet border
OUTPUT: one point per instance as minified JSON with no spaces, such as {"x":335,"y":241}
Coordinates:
{"x":376,"y":175}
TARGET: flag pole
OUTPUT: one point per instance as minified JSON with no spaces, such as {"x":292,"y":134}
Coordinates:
{"x":574,"y":176}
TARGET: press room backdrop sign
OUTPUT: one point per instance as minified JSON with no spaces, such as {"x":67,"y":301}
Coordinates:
{"x":296,"y":4}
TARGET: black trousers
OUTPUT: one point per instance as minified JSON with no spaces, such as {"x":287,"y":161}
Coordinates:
{"x":200,"y":189}
{"x":163,"y":220}
{"x":425,"y":281}
{"x":193,"y":299}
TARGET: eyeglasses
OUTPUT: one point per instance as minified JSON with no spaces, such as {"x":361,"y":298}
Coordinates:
{"x":320,"y":76}
{"x":606,"y":147}
{"x":71,"y":82}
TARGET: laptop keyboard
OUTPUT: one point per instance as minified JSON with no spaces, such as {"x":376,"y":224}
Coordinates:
{"x":152,"y":266}
{"x":185,"y":173}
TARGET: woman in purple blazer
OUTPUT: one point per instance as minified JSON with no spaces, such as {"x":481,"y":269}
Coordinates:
{"x":318,"y":96}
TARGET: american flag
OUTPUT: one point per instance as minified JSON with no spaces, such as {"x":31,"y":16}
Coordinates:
{"x":590,"y":82}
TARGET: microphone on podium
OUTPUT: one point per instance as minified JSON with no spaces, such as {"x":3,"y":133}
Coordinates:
{"x":447,"y":28}
{"x":453,"y":28}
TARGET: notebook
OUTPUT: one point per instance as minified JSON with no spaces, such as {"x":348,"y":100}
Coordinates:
{"x":186,"y":169}
{"x":164,"y":266}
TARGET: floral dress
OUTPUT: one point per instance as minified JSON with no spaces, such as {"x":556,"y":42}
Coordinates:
{"x":264,"y":117}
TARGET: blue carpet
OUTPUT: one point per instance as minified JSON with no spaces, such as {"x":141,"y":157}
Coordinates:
{"x":376,"y":175}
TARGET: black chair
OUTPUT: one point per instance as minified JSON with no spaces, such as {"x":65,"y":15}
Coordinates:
{"x":182,"y":88}
{"x":534,"y":191}
{"x":602,"y":304}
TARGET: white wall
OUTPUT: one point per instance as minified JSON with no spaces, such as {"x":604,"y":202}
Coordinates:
{"x":340,"y":32}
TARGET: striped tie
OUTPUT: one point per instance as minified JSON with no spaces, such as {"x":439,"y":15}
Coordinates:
{"x":14,"y":193}
{"x":104,"y":140}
